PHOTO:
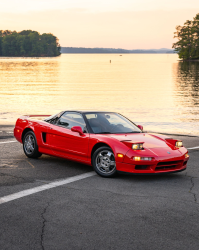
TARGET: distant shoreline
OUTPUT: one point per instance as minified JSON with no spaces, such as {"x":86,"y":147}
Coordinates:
{"x":81,"y":50}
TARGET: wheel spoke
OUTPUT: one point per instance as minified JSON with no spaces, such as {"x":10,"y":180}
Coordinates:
{"x":99,"y":165}
{"x":109,"y":154}
{"x":101,"y":158}
{"x":107,"y":169}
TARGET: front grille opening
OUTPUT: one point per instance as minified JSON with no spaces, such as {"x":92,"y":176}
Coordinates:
{"x":185,"y":163}
{"x":141,"y":167}
{"x":168,"y":165}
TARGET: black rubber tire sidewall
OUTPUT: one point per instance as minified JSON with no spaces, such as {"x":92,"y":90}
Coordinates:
{"x":94,"y":164}
{"x":35,"y":153}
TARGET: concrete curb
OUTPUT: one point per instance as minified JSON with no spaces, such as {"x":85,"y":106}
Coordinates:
{"x":171,"y":134}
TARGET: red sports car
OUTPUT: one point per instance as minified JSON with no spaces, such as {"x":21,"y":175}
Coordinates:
{"x":108,"y":141}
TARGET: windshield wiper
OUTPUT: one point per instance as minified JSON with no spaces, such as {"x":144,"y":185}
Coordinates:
{"x":104,"y":133}
{"x":134,"y":132}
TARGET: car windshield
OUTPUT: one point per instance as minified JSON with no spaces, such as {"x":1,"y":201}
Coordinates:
{"x":110,"y":123}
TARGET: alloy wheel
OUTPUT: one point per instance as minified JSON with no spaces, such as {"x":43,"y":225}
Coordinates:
{"x":29,"y":144}
{"x":105,"y":162}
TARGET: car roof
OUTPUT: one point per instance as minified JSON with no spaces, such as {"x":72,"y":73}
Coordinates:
{"x":88,"y":111}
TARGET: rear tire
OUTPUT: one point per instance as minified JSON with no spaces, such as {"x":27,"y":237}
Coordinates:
{"x":103,"y":161}
{"x":30,"y":146}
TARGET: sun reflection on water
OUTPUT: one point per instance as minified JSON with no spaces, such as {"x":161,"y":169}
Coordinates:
{"x":155,"y":90}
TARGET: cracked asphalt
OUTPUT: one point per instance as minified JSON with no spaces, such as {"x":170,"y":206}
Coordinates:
{"x":125,"y":212}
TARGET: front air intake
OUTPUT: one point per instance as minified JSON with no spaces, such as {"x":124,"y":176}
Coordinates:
{"x":44,"y":137}
{"x":172,"y":165}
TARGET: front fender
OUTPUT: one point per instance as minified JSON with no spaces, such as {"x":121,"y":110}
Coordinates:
{"x":117,"y":146}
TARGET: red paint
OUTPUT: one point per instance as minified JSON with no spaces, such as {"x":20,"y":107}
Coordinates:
{"x":78,"y":130}
{"x":76,"y":145}
{"x":140,"y":126}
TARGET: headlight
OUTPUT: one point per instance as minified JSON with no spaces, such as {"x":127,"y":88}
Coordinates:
{"x":137,"y":146}
{"x":179,"y":144}
{"x":138,"y":158}
{"x":146,"y":158}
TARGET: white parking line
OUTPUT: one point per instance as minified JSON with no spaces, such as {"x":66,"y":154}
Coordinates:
{"x":7,"y":142}
{"x":54,"y":184}
{"x":193,"y":148}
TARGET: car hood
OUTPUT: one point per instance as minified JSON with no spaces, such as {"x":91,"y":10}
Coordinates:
{"x":151,"y":142}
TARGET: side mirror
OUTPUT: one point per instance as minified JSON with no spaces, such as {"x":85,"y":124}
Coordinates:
{"x":77,"y":129}
{"x":140,"y":126}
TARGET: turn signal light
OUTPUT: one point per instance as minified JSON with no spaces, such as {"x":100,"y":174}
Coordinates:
{"x":186,"y":155}
{"x":136,"y":158}
{"x":120,"y":155}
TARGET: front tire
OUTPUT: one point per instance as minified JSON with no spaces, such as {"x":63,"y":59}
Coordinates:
{"x":30,"y":146}
{"x":103,"y":161}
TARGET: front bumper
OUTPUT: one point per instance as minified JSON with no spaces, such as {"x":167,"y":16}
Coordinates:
{"x":154,"y":167}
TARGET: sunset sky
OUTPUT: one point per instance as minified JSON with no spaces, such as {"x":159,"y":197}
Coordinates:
{"x":128,"y":24}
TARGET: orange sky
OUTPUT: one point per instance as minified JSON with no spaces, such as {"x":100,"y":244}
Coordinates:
{"x":127,"y":24}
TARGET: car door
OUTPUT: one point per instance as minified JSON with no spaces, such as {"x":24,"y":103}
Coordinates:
{"x":66,"y":143}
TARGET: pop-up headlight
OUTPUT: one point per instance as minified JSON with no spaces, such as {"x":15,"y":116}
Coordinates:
{"x":178,"y":144}
{"x":137,"y":146}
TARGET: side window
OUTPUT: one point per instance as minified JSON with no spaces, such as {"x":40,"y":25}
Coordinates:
{"x":71,"y":119}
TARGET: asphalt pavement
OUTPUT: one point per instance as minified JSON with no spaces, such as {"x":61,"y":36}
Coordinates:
{"x":125,"y":212}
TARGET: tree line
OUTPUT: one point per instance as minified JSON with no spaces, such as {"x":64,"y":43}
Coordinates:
{"x":28,"y":43}
{"x":187,"y":45}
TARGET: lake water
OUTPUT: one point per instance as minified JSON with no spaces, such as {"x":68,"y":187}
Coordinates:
{"x":154,"y":90}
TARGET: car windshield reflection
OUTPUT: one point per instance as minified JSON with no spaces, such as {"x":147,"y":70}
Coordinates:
{"x":110,"y":123}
